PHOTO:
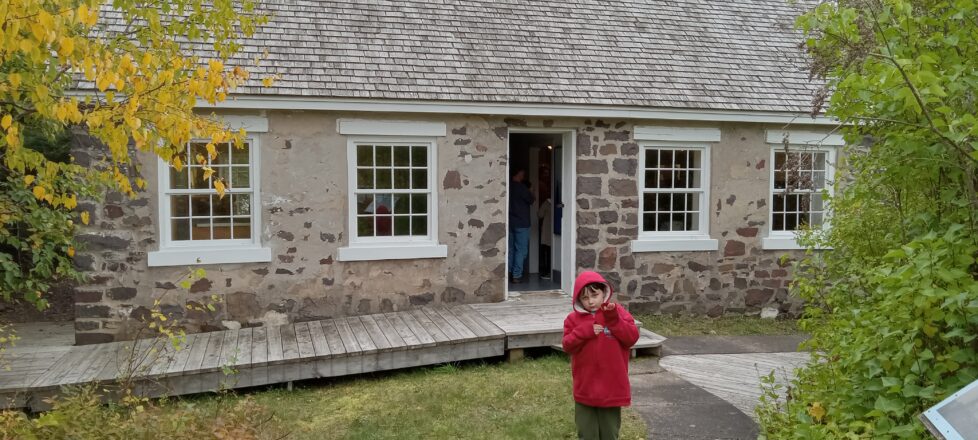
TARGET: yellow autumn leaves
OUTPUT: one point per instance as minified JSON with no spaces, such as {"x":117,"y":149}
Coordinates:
{"x":137,"y":92}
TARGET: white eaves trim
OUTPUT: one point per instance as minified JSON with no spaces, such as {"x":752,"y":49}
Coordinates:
{"x":675,"y":244}
{"x":189,"y":257}
{"x":370,"y":127}
{"x":252,"y":102}
{"x":677,"y":134}
{"x":392,"y":252}
{"x":804,"y":137}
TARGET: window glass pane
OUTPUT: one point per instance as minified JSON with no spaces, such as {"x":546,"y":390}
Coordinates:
{"x":365,"y":226}
{"x":383,"y":179}
{"x":223,"y":174}
{"x":180,"y":206}
{"x":820,"y":161}
{"x":693,"y":221}
{"x":365,"y":204}
{"x":402,"y":204}
{"x":693,"y":202}
{"x":198,"y":153}
{"x":222,"y":228}
{"x":402,"y":156}
{"x":779,"y":159}
{"x":678,"y":222}
{"x":792,"y":204}
{"x":419,"y":179}
{"x":648,"y":222}
{"x":818,"y":180}
{"x":240,"y":177}
{"x":383,"y":226}
{"x":200,"y":205}
{"x":665,"y":179}
{"x":694,"y":179}
{"x":419,"y":203}
{"x":402,"y":225}
{"x":663,"y":202}
{"x":365,"y":155}
{"x":651,"y":179}
{"x":779,"y":203}
{"x":200,"y":229}
{"x":178,"y":179}
{"x":816,"y":219}
{"x":779,"y":179}
{"x":663,"y":222}
{"x":665,"y":159}
{"x":419,"y":156}
{"x":383,"y":156}
{"x":681,"y":158}
{"x":818,"y":203}
{"x":648,"y":202}
{"x":695,"y":159}
{"x":804,"y":202}
{"x":402,"y":178}
{"x":419,"y":225}
{"x":180,"y":229}
{"x":791,"y":222}
{"x":365,"y":179}
{"x":384,"y":203}
{"x":197,"y":180}
{"x":778,"y":222}
{"x":242,"y":227}
{"x":651,"y":158}
{"x":221,"y":206}
{"x":678,"y":202}
{"x":223,"y":154}
{"x":241,"y":204}
{"x":240,"y":154}
{"x":679,"y":179}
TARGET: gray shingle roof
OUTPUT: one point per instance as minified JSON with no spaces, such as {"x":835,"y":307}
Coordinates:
{"x":700,"y":54}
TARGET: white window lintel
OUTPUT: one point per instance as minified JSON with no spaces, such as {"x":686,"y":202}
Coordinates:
{"x":251,"y":123}
{"x":805,"y":137}
{"x":202,"y":255}
{"x":677,"y":134}
{"x":372,"y":127}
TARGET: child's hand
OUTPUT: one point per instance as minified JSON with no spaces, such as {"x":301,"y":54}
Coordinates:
{"x":598,"y":328}
{"x":609,"y":306}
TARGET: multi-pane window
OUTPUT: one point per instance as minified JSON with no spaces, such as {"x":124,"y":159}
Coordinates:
{"x":797,"y":189}
{"x":393,"y":194}
{"x":674,"y":190}
{"x":196,"y":212}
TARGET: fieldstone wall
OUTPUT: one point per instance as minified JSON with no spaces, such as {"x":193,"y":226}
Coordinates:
{"x":304,"y":222}
{"x":739,"y":278}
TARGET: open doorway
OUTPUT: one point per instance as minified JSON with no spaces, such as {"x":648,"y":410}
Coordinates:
{"x":536,"y":160}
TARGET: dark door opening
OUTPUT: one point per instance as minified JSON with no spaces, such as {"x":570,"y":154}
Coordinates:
{"x":537,"y":155}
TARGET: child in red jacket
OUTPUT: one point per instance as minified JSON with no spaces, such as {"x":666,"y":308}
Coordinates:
{"x":598,"y":335}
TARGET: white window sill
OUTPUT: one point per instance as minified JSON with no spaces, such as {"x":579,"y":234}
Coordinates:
{"x":196,"y":256}
{"x":695,"y":243}
{"x":783,"y":244}
{"x":376,"y":252}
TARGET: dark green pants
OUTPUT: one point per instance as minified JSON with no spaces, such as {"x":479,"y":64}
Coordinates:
{"x":597,"y":423}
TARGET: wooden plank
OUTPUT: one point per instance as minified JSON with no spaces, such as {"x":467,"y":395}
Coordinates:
{"x":386,"y":326}
{"x":430,"y":327}
{"x":290,"y":346}
{"x":245,"y":344}
{"x":319,"y":343}
{"x":376,"y":335}
{"x":176,"y":366}
{"x":424,"y":338}
{"x":403,"y":330}
{"x":463,"y":331}
{"x":481,"y":321}
{"x":57,"y":371}
{"x":93,"y":353}
{"x":346,"y":334}
{"x":275,"y":350}
{"x":366,"y":344}
{"x":212,"y":358}
{"x":303,"y":336}
{"x":461,"y":313}
{"x":197,"y":352}
{"x":333,"y":338}
{"x":259,"y":346}
{"x":442,"y":325}
{"x":117,"y":357}
{"x":229,"y":349}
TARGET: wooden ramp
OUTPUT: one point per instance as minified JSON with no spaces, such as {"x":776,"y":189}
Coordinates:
{"x":304,"y":350}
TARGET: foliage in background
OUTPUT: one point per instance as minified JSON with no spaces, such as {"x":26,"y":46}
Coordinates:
{"x":122,"y":75}
{"x":893,"y":307}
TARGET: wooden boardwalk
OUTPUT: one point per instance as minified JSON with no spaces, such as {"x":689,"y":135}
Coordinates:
{"x":735,"y":378}
{"x":304,"y":350}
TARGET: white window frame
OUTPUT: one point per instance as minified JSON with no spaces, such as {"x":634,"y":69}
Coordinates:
{"x":194,"y":252}
{"x":655,"y":137}
{"x":798,"y":141}
{"x":394,"y":247}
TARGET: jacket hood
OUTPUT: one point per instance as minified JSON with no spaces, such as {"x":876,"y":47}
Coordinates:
{"x":584,"y":279}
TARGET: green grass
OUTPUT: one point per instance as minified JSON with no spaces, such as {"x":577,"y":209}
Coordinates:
{"x":524,"y":400}
{"x":727,"y":326}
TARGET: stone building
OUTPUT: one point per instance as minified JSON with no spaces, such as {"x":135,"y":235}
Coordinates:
{"x":376,"y":174}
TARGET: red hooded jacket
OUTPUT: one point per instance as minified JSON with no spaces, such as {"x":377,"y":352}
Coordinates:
{"x":599,"y":363}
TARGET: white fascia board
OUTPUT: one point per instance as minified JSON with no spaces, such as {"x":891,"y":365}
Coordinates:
{"x":805,"y":137}
{"x":369,"y":127}
{"x":251,"y":124}
{"x":677,"y":134}
{"x":252,"y":102}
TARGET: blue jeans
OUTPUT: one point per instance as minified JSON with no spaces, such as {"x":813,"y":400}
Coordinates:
{"x":519,"y":241}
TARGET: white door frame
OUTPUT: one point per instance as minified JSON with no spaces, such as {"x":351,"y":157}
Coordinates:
{"x":568,"y":222}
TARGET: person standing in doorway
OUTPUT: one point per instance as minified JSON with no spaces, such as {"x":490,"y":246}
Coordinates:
{"x":546,"y":236}
{"x":520,"y":199}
